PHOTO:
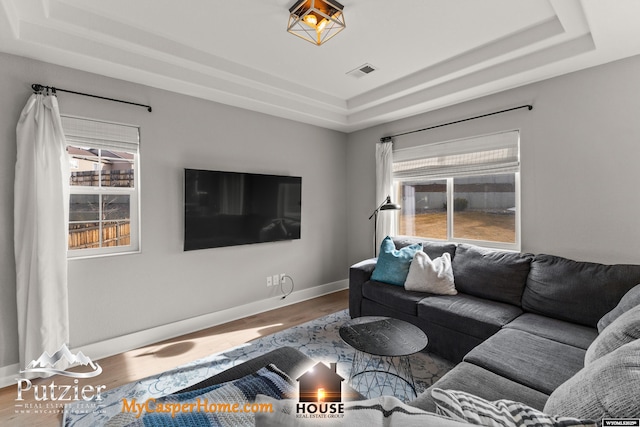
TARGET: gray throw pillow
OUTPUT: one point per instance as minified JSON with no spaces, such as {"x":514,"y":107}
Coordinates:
{"x":493,"y":274}
{"x":623,"y":330}
{"x":608,"y":387}
{"x":629,"y":300}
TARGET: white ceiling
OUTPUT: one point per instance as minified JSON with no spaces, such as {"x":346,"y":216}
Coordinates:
{"x":428,"y":53}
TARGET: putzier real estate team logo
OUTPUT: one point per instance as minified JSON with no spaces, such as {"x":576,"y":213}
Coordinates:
{"x":49,"y":364}
{"x":320,"y":393}
{"x":46,"y":364}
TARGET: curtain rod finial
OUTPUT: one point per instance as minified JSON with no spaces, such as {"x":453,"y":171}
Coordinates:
{"x":385,"y":139}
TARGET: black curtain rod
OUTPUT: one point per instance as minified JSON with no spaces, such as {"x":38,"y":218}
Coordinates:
{"x":39,"y":88}
{"x":388,"y":138}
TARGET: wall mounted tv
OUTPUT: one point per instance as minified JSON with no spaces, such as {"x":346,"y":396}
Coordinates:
{"x":235,"y":208}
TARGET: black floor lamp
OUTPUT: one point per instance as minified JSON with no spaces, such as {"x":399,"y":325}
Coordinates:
{"x":386,"y":205}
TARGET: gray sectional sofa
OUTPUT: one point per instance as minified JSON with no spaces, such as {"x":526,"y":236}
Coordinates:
{"x":518,"y":328}
{"x":560,"y":336}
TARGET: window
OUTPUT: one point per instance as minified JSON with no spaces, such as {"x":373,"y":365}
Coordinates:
{"x":104,"y":187}
{"x":462,"y":191}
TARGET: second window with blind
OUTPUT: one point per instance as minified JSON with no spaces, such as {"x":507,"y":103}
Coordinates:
{"x":104,"y":187}
{"x":466,"y":190}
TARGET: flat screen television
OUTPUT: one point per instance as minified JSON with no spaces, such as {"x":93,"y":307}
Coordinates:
{"x":235,"y":208}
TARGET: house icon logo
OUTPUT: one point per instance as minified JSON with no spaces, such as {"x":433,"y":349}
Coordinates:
{"x":320,"y":393}
{"x":320,"y":384}
{"x":46,"y":364}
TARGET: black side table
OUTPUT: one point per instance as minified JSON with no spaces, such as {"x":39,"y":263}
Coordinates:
{"x":383,"y":346}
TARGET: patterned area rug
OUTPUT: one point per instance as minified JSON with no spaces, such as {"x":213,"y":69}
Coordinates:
{"x":318,"y":339}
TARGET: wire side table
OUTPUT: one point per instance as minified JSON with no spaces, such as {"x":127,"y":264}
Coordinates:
{"x":381,"y":362}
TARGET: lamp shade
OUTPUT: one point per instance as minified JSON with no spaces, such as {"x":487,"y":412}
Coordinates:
{"x":316,"y":20}
{"x":386,"y":205}
{"x":389,"y":206}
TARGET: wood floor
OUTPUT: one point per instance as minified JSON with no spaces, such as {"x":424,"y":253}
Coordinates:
{"x":153,"y":359}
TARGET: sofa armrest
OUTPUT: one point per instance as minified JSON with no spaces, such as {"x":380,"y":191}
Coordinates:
{"x":288,"y":359}
{"x":359,"y":274}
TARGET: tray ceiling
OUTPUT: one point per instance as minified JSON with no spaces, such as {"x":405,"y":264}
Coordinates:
{"x":427,"y":54}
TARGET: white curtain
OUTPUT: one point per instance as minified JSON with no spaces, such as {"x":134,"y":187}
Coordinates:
{"x":40,"y":240}
{"x":384,"y":187}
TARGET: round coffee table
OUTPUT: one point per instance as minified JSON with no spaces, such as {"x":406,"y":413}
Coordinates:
{"x":383,"y":346}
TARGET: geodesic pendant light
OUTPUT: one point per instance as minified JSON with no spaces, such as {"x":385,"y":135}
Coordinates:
{"x":316,"y":21}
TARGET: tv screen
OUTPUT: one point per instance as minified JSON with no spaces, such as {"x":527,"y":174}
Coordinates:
{"x":235,"y":208}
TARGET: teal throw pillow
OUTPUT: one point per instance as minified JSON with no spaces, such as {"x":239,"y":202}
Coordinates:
{"x":393,"y":264}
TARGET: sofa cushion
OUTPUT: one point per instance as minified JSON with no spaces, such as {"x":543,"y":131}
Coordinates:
{"x":393,"y":264}
{"x":623,"y":330}
{"x":434,"y":276}
{"x":492,"y":274}
{"x":431,"y":248}
{"x":486,"y":384}
{"x":474,"y":316}
{"x":557,"y":330}
{"x":470,"y":408}
{"x":528,"y":359}
{"x":579,"y":292}
{"x":392,"y":296}
{"x":608,"y":387}
{"x":628,"y":301}
{"x":372,"y":308}
{"x":447,"y":343}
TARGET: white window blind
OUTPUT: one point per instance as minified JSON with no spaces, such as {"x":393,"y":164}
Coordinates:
{"x":487,"y":154}
{"x":104,"y":187}
{"x":97,"y":134}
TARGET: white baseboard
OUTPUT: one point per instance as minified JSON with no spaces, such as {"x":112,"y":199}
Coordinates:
{"x":9,"y":374}
{"x":100,"y":350}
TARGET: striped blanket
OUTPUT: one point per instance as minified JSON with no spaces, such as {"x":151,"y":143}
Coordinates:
{"x":226,"y":404}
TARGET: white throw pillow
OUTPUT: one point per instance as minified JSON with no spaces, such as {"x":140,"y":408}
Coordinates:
{"x":433,"y":276}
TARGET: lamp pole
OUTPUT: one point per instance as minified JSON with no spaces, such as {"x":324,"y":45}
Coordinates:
{"x":386,"y":205}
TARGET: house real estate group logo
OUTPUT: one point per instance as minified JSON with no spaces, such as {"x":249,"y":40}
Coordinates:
{"x":50,"y":398}
{"x":320,"y":393}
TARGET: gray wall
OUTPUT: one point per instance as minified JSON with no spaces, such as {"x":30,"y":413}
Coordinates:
{"x":580,"y":149}
{"x":118,"y":295}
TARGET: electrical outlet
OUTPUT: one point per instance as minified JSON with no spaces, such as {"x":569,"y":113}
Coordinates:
{"x":276,"y":280}
{"x":282,"y":278}
{"x":269,"y":281}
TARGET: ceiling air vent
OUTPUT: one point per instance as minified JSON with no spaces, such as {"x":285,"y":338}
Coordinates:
{"x":362,"y":71}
